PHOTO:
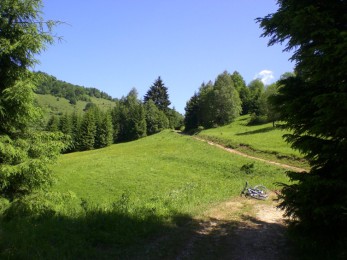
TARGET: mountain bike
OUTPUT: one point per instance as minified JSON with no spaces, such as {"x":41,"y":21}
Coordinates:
{"x":258,"y":192}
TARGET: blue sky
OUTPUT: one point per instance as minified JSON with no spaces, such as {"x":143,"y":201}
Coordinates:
{"x":115,"y":45}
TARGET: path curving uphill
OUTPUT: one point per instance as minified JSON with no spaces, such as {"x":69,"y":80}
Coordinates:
{"x":286,"y":166}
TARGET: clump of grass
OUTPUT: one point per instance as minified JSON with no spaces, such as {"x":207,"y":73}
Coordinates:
{"x":248,"y":168}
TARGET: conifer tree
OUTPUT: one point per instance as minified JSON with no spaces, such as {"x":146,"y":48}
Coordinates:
{"x":158,"y":93}
{"x":313,"y":105}
{"x":87,"y":131}
{"x":25,"y":153}
{"x":104,"y":131}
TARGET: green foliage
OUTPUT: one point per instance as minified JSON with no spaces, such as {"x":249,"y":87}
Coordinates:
{"x":226,"y":101}
{"x":25,"y":153}
{"x":25,"y":162}
{"x":175,"y":119}
{"x":48,"y":84}
{"x":191,"y":119}
{"x":215,"y":104}
{"x":42,"y":204}
{"x":53,"y":124}
{"x":313,"y":105}
{"x":158,"y":94}
{"x":156,"y":119}
{"x":24,"y":34}
{"x":243,"y":90}
{"x":256,"y":89}
{"x":104,"y":130}
{"x":130,"y":118}
{"x":87,"y":131}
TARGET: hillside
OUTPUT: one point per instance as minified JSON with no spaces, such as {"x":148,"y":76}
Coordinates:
{"x":133,"y":198}
{"x":52,"y":105}
{"x":263,"y":141}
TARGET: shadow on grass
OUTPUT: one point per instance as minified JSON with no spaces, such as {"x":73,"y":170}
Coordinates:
{"x":258,"y":131}
{"x":97,"y":234}
{"x":142,"y":235}
{"x":115,"y":235}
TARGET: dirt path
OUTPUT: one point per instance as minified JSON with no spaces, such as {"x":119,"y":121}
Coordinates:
{"x":239,"y":229}
{"x":251,"y":157}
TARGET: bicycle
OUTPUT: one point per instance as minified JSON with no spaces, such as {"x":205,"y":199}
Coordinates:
{"x":258,"y":192}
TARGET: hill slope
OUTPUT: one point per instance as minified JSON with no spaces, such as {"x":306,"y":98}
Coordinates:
{"x":133,"y":198}
{"x":263,"y":141}
{"x":52,"y":105}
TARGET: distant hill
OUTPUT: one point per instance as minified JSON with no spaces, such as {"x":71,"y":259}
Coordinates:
{"x":57,"y":97}
{"x":47,"y":84}
{"x":52,"y":105}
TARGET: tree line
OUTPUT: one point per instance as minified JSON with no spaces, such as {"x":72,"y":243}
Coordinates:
{"x":129,"y":120}
{"x":220,"y":102}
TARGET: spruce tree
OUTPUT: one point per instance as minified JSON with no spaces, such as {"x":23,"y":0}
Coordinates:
{"x":87,"y":131}
{"x":313,"y":105}
{"x":25,"y":152}
{"x":104,"y":130}
{"x":158,"y":93}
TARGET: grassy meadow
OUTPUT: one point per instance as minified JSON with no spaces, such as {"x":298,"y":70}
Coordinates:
{"x":263,"y":141}
{"x":125,"y":200}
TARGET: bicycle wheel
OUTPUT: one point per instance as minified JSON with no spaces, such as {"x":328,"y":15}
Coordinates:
{"x":261,"y":189}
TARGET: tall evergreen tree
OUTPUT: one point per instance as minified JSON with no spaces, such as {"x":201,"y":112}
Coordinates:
{"x":191,"y":117}
{"x":313,"y":105}
{"x":24,"y":153}
{"x":158,"y":93}
{"x":104,"y":130}
{"x":87,"y":131}
{"x":65,"y":124}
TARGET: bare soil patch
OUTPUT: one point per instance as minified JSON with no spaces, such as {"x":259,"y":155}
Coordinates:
{"x":239,"y":229}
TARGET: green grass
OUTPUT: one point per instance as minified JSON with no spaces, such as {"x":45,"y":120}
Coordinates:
{"x":129,"y":195}
{"x":263,"y":141}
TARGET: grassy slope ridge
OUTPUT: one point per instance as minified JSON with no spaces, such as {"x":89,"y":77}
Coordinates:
{"x":130,"y":195}
{"x":263,"y":141}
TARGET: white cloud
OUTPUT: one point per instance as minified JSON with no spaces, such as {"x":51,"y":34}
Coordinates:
{"x":266,"y":76}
